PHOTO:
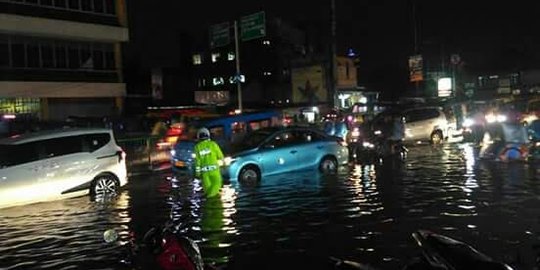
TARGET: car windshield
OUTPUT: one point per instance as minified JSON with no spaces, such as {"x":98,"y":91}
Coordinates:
{"x":251,"y":140}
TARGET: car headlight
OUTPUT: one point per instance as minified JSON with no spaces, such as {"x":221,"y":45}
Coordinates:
{"x":501,"y":118}
{"x":228,"y":160}
{"x":368,"y":145}
{"x":193,"y":156}
{"x":173,"y":153}
{"x":468,"y":122}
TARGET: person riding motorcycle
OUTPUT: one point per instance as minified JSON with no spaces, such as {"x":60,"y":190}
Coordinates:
{"x":208,"y":156}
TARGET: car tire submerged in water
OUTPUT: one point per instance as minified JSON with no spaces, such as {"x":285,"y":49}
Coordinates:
{"x":328,"y":165}
{"x":103,"y":185}
{"x":249,"y":175}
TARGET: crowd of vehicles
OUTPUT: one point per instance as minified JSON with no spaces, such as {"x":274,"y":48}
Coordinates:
{"x":258,"y":144}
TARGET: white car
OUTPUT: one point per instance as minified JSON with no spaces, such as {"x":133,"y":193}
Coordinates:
{"x":56,"y":164}
{"x":425,"y":123}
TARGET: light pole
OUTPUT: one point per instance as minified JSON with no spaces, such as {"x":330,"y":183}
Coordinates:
{"x":237,"y":57}
{"x":332,"y":89}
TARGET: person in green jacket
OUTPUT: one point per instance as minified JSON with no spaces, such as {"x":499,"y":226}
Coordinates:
{"x":208,"y":157}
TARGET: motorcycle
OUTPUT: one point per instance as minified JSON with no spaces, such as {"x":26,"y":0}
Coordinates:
{"x":378,"y":148}
{"x":161,"y":248}
{"x":438,"y":252}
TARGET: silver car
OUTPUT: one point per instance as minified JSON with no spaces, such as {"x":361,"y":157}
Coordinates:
{"x":425,"y":123}
{"x":50,"y":165}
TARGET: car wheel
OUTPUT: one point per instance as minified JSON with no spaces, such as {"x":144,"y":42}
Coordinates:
{"x":328,"y":165}
{"x":103,"y":185}
{"x":437,"y":137}
{"x":249,"y":175}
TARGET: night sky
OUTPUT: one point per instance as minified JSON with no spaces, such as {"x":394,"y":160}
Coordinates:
{"x":489,"y":35}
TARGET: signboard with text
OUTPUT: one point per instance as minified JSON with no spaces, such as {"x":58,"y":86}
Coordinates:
{"x":220,"y":35}
{"x":416,"y":68}
{"x":253,"y":26}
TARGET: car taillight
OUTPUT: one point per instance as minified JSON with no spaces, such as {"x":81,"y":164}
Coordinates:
{"x":121,"y":155}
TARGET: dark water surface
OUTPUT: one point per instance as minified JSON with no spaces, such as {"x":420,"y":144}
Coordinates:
{"x":296,"y":221}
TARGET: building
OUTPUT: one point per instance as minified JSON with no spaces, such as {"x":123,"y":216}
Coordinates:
{"x":62,"y":58}
{"x":265,"y":66}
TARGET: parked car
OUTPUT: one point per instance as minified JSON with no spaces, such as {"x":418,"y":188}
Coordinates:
{"x":277,"y":150}
{"x":423,"y":123}
{"x":55,"y":164}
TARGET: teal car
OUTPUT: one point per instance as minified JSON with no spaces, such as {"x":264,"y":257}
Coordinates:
{"x":277,"y":150}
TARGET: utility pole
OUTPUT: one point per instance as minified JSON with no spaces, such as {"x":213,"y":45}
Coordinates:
{"x":237,"y":57}
{"x":415,"y":32}
{"x":332,"y":88}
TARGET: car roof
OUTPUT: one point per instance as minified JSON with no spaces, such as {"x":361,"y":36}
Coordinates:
{"x":51,"y":134}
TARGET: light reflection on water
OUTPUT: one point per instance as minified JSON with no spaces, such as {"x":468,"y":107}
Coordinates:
{"x":366,"y":213}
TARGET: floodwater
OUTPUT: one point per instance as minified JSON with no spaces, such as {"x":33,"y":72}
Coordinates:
{"x":296,"y":221}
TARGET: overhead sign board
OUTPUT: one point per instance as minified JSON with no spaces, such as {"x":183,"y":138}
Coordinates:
{"x":253,"y":26}
{"x":220,"y":35}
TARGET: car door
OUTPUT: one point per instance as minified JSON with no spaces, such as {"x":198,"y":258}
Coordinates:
{"x":68,"y":165}
{"x":311,"y":146}
{"x":278,"y":154}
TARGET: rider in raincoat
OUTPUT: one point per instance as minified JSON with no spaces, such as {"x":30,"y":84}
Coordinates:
{"x":208,"y":157}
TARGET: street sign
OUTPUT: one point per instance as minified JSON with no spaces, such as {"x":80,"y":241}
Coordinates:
{"x":253,"y":26}
{"x":219,"y":35}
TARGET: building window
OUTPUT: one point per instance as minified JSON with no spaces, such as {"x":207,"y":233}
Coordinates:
{"x":197,"y":59}
{"x":218,"y":81}
{"x":215,"y":57}
{"x":267,"y":73}
{"x":60,"y":3}
{"x":19,"y":105}
{"x":18,"y":55}
{"x":266,"y":42}
{"x":74,"y":59}
{"x":46,"y":2}
{"x":4,"y":52}
{"x":99,"y":7}
{"x":102,"y":7}
{"x":74,"y":4}
{"x":60,"y":56}
{"x":47,"y":55}
{"x":98,"y":56}
{"x":230,"y":56}
{"x":22,"y":52}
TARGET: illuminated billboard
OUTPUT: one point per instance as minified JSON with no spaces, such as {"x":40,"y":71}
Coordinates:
{"x":308,"y":84}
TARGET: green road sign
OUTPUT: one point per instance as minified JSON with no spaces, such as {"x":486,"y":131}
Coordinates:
{"x":219,"y":35}
{"x":252,"y":26}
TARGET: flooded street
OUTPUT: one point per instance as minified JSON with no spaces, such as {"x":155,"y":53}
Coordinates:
{"x":296,"y":221}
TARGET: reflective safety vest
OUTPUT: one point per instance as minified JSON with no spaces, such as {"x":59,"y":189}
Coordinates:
{"x":207,"y":156}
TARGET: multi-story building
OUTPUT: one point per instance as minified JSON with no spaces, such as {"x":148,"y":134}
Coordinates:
{"x":265,"y":65}
{"x":62,"y":58}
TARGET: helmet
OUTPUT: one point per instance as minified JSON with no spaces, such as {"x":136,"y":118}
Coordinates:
{"x":203,"y":133}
